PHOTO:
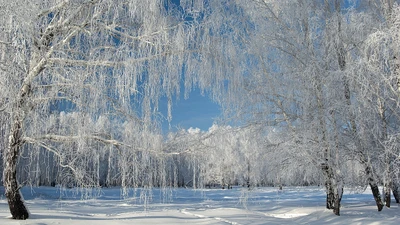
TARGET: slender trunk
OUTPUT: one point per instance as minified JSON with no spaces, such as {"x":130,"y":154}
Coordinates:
{"x":248,"y":174}
{"x":109,"y":164}
{"x":330,"y":179}
{"x":330,"y":196}
{"x":15,"y":200}
{"x":386,"y":191}
{"x":387,"y":181}
{"x":194,"y":177}
{"x":38,"y":172}
{"x":338,"y":174}
{"x":326,"y":165}
{"x":338,"y":199}
{"x":387,"y":174}
{"x":368,"y":168}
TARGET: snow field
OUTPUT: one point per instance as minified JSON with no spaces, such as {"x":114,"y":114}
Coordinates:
{"x":293,"y":205}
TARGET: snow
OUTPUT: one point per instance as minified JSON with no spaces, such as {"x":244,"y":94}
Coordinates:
{"x":293,"y":205}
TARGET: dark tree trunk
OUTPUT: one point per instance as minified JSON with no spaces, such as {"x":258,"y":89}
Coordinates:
{"x":377,"y":195}
{"x":374,"y":187}
{"x":17,"y":207}
{"x":372,"y":183}
{"x":15,"y":201}
{"x":395,"y":190}
{"x":248,"y":174}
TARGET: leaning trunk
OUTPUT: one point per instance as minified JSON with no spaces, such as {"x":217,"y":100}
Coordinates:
{"x":395,"y":190}
{"x":14,"y":197}
{"x":15,"y":201}
{"x":376,"y":194}
{"x":374,"y":187}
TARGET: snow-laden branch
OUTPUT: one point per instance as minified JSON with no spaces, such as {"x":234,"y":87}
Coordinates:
{"x":41,"y":144}
{"x":71,"y":138}
{"x":54,"y":151}
{"x":62,"y":138}
{"x":141,"y":37}
{"x":105,"y":63}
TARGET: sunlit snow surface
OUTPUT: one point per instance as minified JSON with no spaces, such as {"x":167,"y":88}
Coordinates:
{"x":293,"y":205}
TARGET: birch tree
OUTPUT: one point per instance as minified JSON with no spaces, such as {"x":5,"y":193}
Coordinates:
{"x":302,"y":79}
{"x":377,"y":77}
{"x":96,"y":58}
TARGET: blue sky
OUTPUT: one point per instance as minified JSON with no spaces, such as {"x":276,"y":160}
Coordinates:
{"x":196,"y":111}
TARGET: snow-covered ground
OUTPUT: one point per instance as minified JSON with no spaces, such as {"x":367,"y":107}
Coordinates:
{"x":293,"y":205}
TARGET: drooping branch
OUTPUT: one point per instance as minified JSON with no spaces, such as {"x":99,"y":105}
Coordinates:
{"x":54,"y":151}
{"x":72,"y":138}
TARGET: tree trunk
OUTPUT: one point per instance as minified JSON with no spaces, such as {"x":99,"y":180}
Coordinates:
{"x":330,"y":196}
{"x":377,"y":195}
{"x":333,"y":191}
{"x":395,"y":190}
{"x":15,"y":200}
{"x":374,"y":187}
{"x":338,"y":199}
{"x":386,"y":191}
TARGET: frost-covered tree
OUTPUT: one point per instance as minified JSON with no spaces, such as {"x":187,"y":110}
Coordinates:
{"x":70,"y":70}
{"x":377,"y":75}
{"x":302,"y":82}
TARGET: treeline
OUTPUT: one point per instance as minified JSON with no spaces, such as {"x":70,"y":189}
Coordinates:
{"x":310,"y":89}
{"x":221,"y":157}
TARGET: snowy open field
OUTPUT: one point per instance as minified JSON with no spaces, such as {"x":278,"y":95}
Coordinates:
{"x":294,"y":205}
